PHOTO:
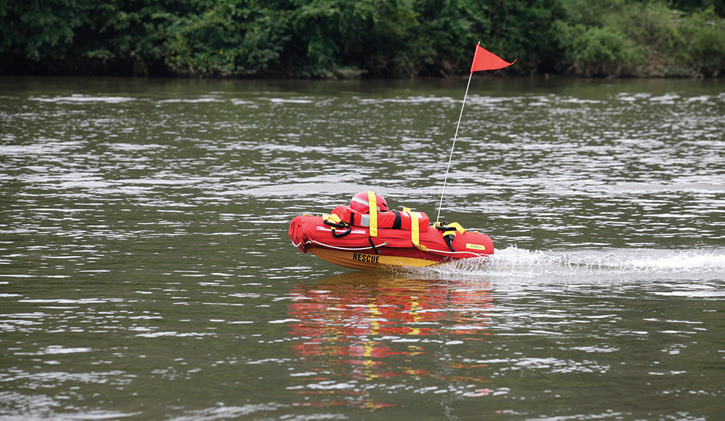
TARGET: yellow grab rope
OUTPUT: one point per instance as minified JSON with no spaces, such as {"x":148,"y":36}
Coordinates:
{"x":335,"y":219}
{"x":457,"y":226}
{"x":373,"y":206}
{"x":453,"y":228}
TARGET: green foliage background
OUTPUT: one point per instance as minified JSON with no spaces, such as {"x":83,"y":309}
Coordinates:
{"x":353,"y":38}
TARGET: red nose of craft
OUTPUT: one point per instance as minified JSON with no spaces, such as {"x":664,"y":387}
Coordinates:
{"x":296,"y":231}
{"x":302,"y":229}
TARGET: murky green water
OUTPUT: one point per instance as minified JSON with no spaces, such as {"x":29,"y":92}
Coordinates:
{"x":146,"y":273}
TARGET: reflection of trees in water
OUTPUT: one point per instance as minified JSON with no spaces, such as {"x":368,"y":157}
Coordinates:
{"x":366,"y":335}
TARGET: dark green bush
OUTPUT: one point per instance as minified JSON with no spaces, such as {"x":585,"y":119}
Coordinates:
{"x":599,"y":51}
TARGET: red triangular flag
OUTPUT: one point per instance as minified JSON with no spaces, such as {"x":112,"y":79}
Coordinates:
{"x":485,"y":60}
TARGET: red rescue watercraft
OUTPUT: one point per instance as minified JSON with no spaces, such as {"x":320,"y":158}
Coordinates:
{"x":367,"y":235}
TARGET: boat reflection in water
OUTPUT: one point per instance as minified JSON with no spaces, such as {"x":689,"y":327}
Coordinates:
{"x":367,"y":335}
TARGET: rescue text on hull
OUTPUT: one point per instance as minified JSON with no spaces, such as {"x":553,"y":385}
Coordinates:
{"x":366,"y":235}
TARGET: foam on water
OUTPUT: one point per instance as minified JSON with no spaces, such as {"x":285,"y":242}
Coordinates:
{"x":595,"y":264}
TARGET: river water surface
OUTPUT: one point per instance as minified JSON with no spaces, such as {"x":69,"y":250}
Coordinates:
{"x":146,"y":272}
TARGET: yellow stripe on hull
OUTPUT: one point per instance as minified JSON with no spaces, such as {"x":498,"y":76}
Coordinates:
{"x":355,"y":260}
